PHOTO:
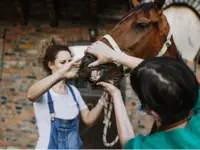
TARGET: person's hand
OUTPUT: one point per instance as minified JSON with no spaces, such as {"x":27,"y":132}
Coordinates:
{"x":103,"y":53}
{"x":103,"y":99}
{"x":110,"y":88}
{"x":70,"y":70}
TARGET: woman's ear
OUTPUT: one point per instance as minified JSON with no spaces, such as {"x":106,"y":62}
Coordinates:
{"x":51,"y":65}
{"x":155,"y":115}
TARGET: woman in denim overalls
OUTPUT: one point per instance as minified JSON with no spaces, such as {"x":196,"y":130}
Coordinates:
{"x":58,"y":106}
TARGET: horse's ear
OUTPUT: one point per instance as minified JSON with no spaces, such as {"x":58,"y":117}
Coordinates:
{"x":135,"y":3}
{"x":159,"y":3}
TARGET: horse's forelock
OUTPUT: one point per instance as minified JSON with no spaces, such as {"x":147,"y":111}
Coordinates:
{"x":144,"y":6}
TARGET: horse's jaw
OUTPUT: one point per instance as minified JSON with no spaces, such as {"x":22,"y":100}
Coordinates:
{"x":106,"y":72}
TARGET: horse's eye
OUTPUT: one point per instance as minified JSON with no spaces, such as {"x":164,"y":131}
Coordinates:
{"x":142,"y":25}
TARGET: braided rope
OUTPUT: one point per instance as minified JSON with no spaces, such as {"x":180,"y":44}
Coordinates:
{"x":107,"y":122}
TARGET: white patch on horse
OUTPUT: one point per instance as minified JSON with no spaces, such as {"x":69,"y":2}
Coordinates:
{"x":95,"y":75}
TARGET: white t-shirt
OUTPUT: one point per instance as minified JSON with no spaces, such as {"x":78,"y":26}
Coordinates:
{"x":65,"y":108}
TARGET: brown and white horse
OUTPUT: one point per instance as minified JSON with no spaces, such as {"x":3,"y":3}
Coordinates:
{"x":143,"y":33}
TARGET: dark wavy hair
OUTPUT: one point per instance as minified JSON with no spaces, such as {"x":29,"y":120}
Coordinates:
{"x":166,"y":86}
{"x":48,"y":51}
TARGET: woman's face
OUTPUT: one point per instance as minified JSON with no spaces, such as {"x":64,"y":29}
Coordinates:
{"x":62,"y":58}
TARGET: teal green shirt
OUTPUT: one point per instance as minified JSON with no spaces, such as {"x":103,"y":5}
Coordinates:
{"x":180,"y":138}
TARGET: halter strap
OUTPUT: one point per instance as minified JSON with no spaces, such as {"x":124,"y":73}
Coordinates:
{"x":163,"y":50}
{"x":166,"y":45}
{"x":114,"y":45}
{"x":112,"y":42}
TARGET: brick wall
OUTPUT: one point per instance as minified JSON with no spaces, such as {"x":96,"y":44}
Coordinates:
{"x":17,"y":67}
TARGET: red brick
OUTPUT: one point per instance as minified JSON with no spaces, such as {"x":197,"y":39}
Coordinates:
{"x":26,"y":46}
{"x":1,"y":41}
{"x":4,"y":143}
{"x":9,"y":46}
{"x":12,"y":37}
{"x":9,"y":70}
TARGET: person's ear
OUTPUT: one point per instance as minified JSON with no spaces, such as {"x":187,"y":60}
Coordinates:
{"x":155,"y":115}
{"x":51,"y":65}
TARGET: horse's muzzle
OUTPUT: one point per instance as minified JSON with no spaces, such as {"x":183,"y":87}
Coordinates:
{"x":106,"y":72}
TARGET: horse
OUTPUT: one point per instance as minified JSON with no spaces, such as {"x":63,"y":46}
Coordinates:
{"x":144,"y":32}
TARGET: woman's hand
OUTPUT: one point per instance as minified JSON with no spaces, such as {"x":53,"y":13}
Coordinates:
{"x":70,"y":70}
{"x":103,"y":52}
{"x":111,"y":89}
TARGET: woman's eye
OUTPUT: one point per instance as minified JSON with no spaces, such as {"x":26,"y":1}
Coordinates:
{"x":63,"y":62}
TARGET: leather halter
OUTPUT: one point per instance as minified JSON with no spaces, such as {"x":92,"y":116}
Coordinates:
{"x":163,"y":50}
{"x":166,"y":45}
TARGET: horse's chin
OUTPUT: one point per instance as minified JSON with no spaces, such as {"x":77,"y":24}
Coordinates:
{"x":92,"y":76}
{"x":95,"y":76}
{"x":106,"y":73}
{"x":88,"y":73}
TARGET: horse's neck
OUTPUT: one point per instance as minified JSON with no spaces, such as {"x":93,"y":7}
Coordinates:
{"x":172,"y":50}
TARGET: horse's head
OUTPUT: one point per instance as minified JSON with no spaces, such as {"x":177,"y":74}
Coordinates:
{"x":143,"y":33}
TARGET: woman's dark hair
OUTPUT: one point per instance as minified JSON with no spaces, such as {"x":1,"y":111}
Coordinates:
{"x":48,"y":52}
{"x":166,"y":86}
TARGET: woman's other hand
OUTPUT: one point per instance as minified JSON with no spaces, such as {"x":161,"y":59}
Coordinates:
{"x":70,"y":70}
{"x":103,"y":53}
{"x":110,"y":88}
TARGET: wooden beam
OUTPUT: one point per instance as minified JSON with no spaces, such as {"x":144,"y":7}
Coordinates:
{"x":22,"y":15}
{"x":52,"y":6}
{"x":26,"y":8}
{"x":92,"y":12}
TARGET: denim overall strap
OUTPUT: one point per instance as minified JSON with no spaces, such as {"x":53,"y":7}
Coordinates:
{"x":73,"y":94}
{"x":51,"y":107}
{"x":64,"y":133}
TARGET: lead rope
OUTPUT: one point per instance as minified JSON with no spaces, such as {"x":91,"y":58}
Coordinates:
{"x":108,"y":111}
{"x":108,"y":107}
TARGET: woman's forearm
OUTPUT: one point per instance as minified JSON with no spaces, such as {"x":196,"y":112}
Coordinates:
{"x":126,"y":60}
{"x":42,"y":86}
{"x":90,"y":116}
{"x":124,"y":126}
{"x":95,"y":113}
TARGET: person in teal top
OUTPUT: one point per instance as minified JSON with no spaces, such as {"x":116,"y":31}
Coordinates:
{"x":167,"y":90}
{"x":187,"y":137}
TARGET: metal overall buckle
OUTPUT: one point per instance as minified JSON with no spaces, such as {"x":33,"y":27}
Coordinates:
{"x":52,"y":116}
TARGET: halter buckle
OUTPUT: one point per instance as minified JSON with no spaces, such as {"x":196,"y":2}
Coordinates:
{"x":168,"y":43}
